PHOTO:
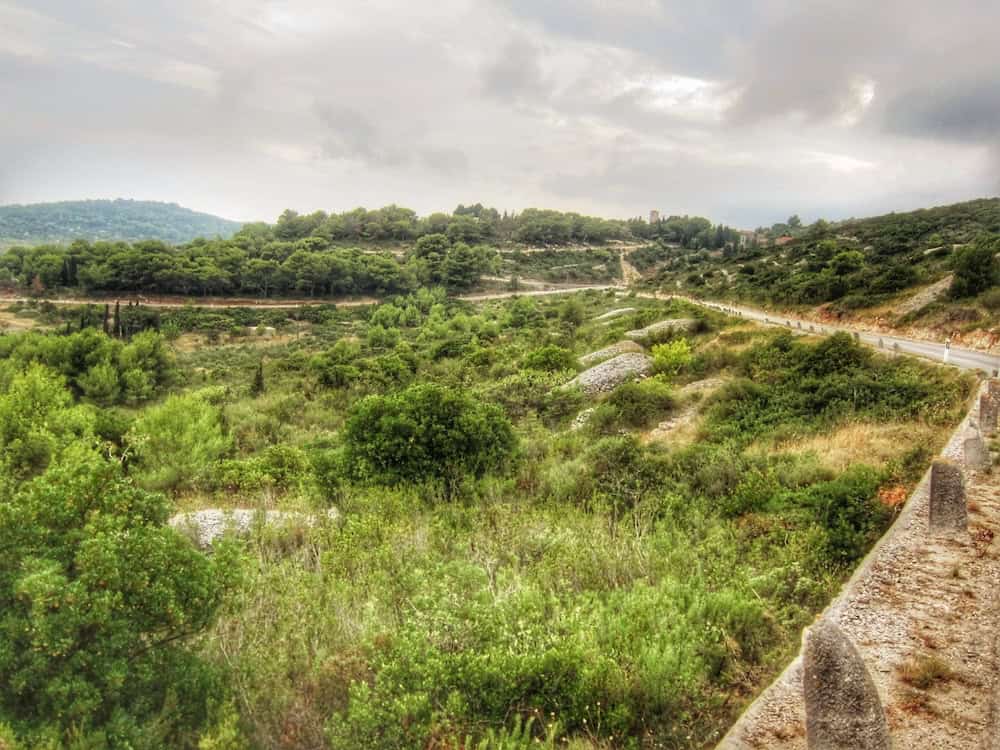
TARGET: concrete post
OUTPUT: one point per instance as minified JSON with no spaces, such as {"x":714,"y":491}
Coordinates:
{"x":843,"y":709}
{"x":988,"y":414}
{"x":993,"y":387}
{"x":947,"y":511}
{"x":977,"y":456}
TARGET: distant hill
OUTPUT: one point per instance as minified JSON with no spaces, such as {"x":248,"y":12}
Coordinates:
{"x":853,"y":265}
{"x":107,"y":220}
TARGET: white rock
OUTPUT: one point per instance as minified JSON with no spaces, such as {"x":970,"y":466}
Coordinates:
{"x":609,"y":351}
{"x":677,"y":324}
{"x":205,"y":526}
{"x":615,"y":313}
{"x":609,"y":375}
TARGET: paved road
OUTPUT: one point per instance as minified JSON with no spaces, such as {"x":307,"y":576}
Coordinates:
{"x":966,"y":359}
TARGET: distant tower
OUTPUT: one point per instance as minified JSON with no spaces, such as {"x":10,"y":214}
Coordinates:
{"x":654,"y":216}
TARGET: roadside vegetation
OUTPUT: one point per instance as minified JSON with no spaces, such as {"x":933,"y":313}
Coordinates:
{"x":502,"y":573}
{"x":856,"y":268}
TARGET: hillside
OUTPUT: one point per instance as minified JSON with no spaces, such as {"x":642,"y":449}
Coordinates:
{"x":896,"y":270}
{"x":107,"y":220}
{"x":478,"y":520}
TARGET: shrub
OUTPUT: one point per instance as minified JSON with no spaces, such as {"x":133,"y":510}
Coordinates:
{"x":974,"y":268}
{"x":96,"y":597}
{"x":426,"y":432}
{"x":672,"y":357}
{"x":640,"y":403}
{"x":550,"y":358}
{"x":177,"y":441}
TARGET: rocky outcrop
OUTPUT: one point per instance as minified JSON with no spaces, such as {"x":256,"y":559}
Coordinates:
{"x":924,"y":297}
{"x":622,"y":347}
{"x":664,"y":327}
{"x":206,"y":526}
{"x":615,"y":313}
{"x":609,"y":375}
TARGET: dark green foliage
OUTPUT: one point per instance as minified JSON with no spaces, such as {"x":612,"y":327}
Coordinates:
{"x":855,"y":264}
{"x":638,"y":404}
{"x":96,"y":366}
{"x":96,"y":598}
{"x":848,"y":511}
{"x":108,"y":220}
{"x":793,"y":385}
{"x":550,"y":358}
{"x":257,"y":387}
{"x":426,"y":432}
{"x":975,"y":267}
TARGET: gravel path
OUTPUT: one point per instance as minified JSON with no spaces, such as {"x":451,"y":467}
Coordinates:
{"x":912,"y":597}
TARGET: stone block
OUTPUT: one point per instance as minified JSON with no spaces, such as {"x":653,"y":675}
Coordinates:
{"x":843,"y":709}
{"x":993,"y":388}
{"x":977,"y":455}
{"x":947,"y":511}
{"x":988,"y":414}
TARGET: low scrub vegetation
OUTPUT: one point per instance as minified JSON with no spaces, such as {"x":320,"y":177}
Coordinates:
{"x":500,"y":576}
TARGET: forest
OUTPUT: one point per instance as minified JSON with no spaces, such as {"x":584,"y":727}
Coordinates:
{"x":122,"y":220}
{"x":361,"y":252}
{"x":476,"y":552}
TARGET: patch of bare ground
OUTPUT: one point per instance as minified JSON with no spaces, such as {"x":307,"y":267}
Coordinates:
{"x":11,"y":322}
{"x":682,"y":425}
{"x":923,"y":612}
{"x":190,"y":342}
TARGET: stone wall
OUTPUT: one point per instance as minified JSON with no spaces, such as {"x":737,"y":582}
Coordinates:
{"x":878,"y":611}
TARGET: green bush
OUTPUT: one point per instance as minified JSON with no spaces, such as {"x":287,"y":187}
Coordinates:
{"x":550,"y":358}
{"x":673,"y":357}
{"x":176,"y":442}
{"x":643,"y":402}
{"x":426,"y":432}
{"x":96,"y":597}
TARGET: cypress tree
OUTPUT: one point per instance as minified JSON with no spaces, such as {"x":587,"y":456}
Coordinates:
{"x":258,"y":380}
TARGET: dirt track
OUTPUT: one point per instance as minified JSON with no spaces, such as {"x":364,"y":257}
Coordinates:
{"x":169,"y":301}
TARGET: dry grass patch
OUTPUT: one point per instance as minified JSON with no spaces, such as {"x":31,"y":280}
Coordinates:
{"x":13,"y":323}
{"x":860,"y":442}
{"x":924,"y":672}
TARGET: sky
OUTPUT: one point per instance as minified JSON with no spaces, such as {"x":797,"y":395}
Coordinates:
{"x":744,"y":111}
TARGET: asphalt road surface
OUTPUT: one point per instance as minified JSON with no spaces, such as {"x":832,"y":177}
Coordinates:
{"x":966,"y":359}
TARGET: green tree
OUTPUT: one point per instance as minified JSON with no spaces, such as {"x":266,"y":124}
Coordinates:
{"x":175,"y":442}
{"x":427,"y":432}
{"x":975,"y":267}
{"x":37,"y":422}
{"x":101,"y":384}
{"x":97,"y":596}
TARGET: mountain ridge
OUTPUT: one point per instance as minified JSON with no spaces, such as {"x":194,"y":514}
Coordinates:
{"x":107,"y":219}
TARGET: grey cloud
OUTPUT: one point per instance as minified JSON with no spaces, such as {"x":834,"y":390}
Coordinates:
{"x":351,"y":135}
{"x":515,"y":73}
{"x":446,"y":161}
{"x":963,"y":110}
{"x":512,"y":102}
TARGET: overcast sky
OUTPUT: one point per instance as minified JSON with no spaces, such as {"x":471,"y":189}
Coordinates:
{"x":744,"y":111}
